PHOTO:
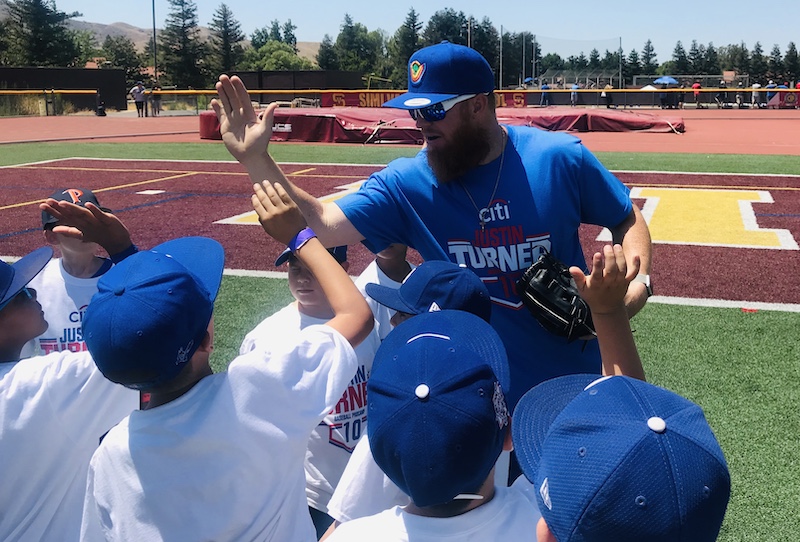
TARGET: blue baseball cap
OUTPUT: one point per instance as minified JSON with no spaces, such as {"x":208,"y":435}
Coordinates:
{"x":436,"y":285}
{"x":436,"y":405}
{"x":618,"y":459}
{"x":152,"y":310}
{"x":14,"y":277}
{"x":441,"y":72}
{"x":339,"y":254}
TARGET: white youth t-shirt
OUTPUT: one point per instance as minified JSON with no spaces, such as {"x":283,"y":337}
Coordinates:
{"x":383,"y":314}
{"x":64,"y":299}
{"x":509,"y":516}
{"x":333,"y":440}
{"x":53,"y":411}
{"x":225,"y":460}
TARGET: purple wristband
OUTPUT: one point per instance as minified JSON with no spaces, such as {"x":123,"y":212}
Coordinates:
{"x":301,"y":239}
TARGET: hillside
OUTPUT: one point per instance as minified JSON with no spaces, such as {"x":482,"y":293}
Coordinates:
{"x":141,"y":36}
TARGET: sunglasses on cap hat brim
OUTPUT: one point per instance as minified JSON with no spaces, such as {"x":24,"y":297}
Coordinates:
{"x":437,"y":112}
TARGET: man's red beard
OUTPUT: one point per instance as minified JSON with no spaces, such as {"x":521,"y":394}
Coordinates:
{"x":468,"y":147}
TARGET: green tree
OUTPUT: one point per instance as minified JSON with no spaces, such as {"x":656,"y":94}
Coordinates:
{"x":632,"y":65}
{"x":184,"y":50}
{"x":326,"y":56}
{"x":401,"y":46}
{"x":486,"y":40}
{"x":226,"y":41}
{"x":357,"y":49}
{"x":648,"y":59}
{"x":275,"y":55}
{"x":735,"y":57}
{"x":120,"y":52}
{"x":775,"y":65}
{"x":275,"y":31}
{"x":36,"y":34}
{"x":791,"y":65}
{"x":758,"y":65}
{"x":681,"y":59}
{"x":445,"y":24}
{"x":594,"y":59}
{"x":86,"y":44}
{"x":697,"y":58}
{"x":289,"y":37}
{"x":259,"y":37}
{"x":711,"y":64}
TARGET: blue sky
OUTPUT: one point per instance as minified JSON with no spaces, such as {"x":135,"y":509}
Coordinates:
{"x":593,"y":24}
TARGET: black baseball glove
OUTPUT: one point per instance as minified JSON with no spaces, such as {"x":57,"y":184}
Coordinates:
{"x":550,"y":293}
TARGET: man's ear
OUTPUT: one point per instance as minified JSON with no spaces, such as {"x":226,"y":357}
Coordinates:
{"x":543,"y":533}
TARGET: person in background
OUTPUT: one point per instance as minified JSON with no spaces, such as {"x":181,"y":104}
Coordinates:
{"x":139,"y":95}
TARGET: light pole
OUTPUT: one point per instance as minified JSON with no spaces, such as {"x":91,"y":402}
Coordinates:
{"x":155,"y":47}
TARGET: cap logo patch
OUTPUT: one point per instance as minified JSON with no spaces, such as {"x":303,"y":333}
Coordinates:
{"x":500,"y":408}
{"x":415,"y":71}
{"x":183,"y":353}
{"x":434,"y":307}
{"x":74,"y":194}
{"x":544,"y":492}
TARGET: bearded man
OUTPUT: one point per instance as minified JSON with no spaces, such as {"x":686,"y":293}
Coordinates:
{"x":480,"y":194}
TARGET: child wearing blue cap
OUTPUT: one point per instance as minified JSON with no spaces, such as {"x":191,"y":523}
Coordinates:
{"x":215,"y":456}
{"x":53,"y":411}
{"x":332,"y":441}
{"x":617,"y":459}
{"x":433,"y":286}
{"x":437,"y":386}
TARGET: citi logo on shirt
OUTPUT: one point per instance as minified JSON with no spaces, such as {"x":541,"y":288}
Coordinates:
{"x":77,"y":316}
{"x":497,"y":210}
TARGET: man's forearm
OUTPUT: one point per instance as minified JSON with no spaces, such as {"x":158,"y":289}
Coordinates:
{"x":326,"y":219}
{"x":634,"y":236}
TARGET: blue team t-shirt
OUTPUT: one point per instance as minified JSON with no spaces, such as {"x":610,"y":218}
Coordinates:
{"x":550,"y":184}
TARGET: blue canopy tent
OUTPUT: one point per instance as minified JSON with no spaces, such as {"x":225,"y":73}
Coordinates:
{"x":665,"y":80}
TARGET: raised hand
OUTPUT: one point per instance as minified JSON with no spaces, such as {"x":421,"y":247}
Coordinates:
{"x":246,"y":134}
{"x":277,"y":212}
{"x":89,"y":224}
{"x":604,"y":288}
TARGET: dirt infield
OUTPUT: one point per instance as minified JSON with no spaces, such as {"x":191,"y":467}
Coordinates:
{"x":730,"y":237}
{"x":708,"y":131}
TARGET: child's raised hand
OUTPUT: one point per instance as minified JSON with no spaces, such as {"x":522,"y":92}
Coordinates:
{"x":277,"y":212}
{"x":604,"y":288}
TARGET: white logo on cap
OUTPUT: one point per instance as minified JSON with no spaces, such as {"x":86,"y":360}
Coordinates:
{"x":500,"y":408}
{"x":544,"y":491}
{"x":183,"y":353}
{"x":434,"y":307}
{"x":417,"y":102}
